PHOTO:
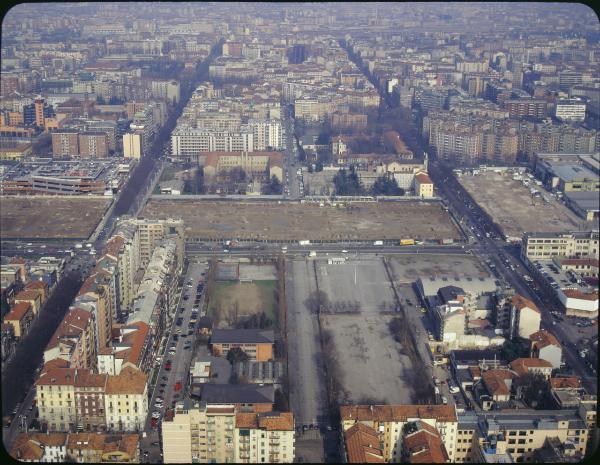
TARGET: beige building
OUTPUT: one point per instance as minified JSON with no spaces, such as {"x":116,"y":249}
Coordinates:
{"x":389,"y":420}
{"x":55,"y":395}
{"x":256,"y":164}
{"x":543,"y":246}
{"x":97,"y":296}
{"x":65,"y":143}
{"x":132,"y":145}
{"x":423,"y":186}
{"x":223,"y":434}
{"x":264,"y":437}
{"x":126,"y":400}
{"x":153,"y":231}
{"x":198,"y":433}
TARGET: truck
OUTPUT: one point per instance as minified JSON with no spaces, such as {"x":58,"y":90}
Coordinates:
{"x":407,"y":242}
{"x":304,"y":242}
{"x":378,"y":243}
{"x":88,"y":245}
{"x":312,"y":253}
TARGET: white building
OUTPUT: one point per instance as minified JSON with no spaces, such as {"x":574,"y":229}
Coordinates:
{"x":571,"y":109}
{"x":132,"y":145}
{"x":126,"y":400}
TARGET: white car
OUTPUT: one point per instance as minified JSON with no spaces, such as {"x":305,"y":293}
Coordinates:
{"x":344,"y":251}
{"x":156,"y":415}
{"x":172,"y":352}
{"x":158,"y":405}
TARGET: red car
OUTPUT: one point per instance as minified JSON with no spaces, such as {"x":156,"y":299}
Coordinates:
{"x":168,"y":365}
{"x":178,"y":386}
{"x":153,"y":422}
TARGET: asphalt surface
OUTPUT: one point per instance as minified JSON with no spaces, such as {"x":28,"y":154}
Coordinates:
{"x":504,"y":256}
{"x":164,"y":386}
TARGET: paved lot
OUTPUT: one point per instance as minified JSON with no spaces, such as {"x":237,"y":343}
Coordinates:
{"x":50,"y":217}
{"x":408,"y":268}
{"x":294,"y":221}
{"x":257,"y":272}
{"x":370,"y":363}
{"x":308,"y":399}
{"x":320,"y":183}
{"x":511,"y":206}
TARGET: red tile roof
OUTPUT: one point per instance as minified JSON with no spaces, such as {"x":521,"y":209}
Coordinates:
{"x":17,"y":311}
{"x":425,"y":446}
{"x":362,"y":445}
{"x":577,"y":294}
{"x":520,"y":302}
{"x":543,"y":338}
{"x":565,"y":382}
{"x":495,"y":381}
{"x":397,"y":412}
{"x":522,"y":365}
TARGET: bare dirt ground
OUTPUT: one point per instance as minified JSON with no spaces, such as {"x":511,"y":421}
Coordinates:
{"x":244,"y":299}
{"x":294,"y":221}
{"x":50,"y":217}
{"x":510,"y":204}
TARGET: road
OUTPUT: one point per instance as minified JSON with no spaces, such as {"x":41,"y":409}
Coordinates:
{"x":291,"y":182}
{"x":504,"y":256}
{"x":180,"y":361}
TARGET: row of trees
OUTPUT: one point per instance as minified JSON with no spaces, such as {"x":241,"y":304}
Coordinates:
{"x":348,"y":183}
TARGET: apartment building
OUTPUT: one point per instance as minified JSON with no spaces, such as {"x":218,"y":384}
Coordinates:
{"x":93,"y":144}
{"x":97,"y":296}
{"x":570,"y":109}
{"x":545,"y":346}
{"x":20,"y":318}
{"x":153,"y":231}
{"x":423,"y":186}
{"x":525,"y":317}
{"x":55,"y":396}
{"x":264,"y":437}
{"x":518,"y":108}
{"x":203,"y":433}
{"x":126,"y":400}
{"x":65,"y":143}
{"x":543,"y":246}
{"x":187,"y":142}
{"x":388,"y":421}
{"x":74,"y":340}
{"x":133,"y":145}
{"x":256,"y":343}
{"x":362,"y":445}
{"x":90,"y":389}
{"x":132,"y":347}
{"x":199,"y":433}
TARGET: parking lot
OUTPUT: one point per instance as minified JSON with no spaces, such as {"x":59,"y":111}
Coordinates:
{"x":408,"y":268}
{"x":370,"y":361}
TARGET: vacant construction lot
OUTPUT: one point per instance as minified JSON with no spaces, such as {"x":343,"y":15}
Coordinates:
{"x":408,"y":268}
{"x":370,"y":364}
{"x":50,"y":217}
{"x":510,"y":205}
{"x":294,"y":221}
{"x":229,"y":300}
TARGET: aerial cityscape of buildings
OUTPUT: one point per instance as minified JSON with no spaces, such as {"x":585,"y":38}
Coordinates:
{"x":300,"y":232}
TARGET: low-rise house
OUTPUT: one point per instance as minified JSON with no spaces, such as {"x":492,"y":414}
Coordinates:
{"x":38,"y":447}
{"x":246,"y":397}
{"x":257,"y":343}
{"x":497,"y":384}
{"x":524,"y":366}
{"x":566,"y":391}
